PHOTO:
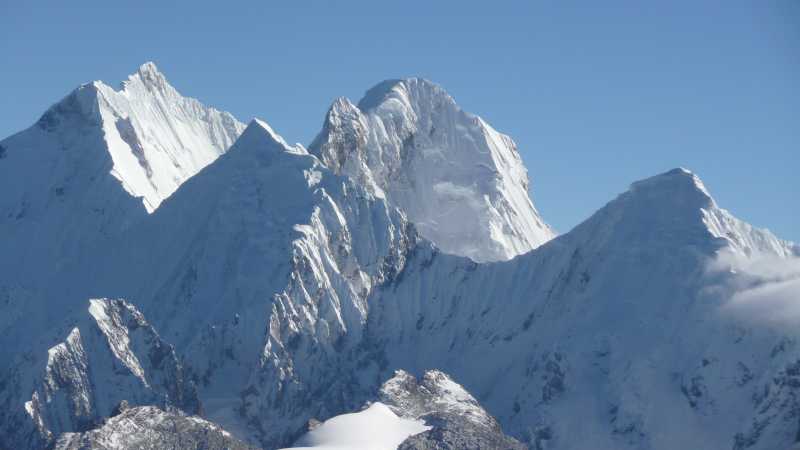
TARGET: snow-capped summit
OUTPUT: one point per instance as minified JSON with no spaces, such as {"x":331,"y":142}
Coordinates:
{"x":615,"y":333}
{"x":149,"y":75}
{"x":155,"y":137}
{"x":158,"y":138}
{"x":95,"y":163}
{"x":461,"y":182}
{"x":674,"y":208}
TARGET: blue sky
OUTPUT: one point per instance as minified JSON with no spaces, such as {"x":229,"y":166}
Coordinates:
{"x":596,"y":94}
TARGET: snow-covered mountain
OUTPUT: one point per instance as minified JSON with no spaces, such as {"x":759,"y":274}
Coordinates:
{"x":619,"y":333}
{"x":282,"y":285}
{"x":95,"y":164}
{"x":257,"y":269}
{"x":462,"y":183}
{"x":108,"y":354}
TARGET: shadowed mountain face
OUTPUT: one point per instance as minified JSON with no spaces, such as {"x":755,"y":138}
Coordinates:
{"x":281,"y":284}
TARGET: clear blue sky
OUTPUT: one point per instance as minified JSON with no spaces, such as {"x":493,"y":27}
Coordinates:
{"x":596,"y":96}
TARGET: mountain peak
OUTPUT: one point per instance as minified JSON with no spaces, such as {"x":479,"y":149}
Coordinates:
{"x":149,"y":75}
{"x":461,"y":182}
{"x":671,"y":209}
{"x":342,"y":106}
{"x":149,"y":67}
{"x":407,"y":90}
{"x":676,"y":184}
{"x":260,"y":135}
{"x":376,"y":94}
{"x":665,"y":209}
{"x":151,"y":137}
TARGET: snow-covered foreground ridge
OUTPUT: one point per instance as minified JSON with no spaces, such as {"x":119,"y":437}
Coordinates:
{"x":282,"y":285}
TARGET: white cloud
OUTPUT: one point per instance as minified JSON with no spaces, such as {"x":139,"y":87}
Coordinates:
{"x":764,"y":288}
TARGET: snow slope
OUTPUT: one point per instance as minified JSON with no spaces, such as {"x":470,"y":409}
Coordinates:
{"x":258,"y":269}
{"x":617,"y":333}
{"x":293,"y":283}
{"x":433,"y":412}
{"x":461,"y":182}
{"x":94,"y":165}
{"x":157,"y":138}
{"x":374,"y":428}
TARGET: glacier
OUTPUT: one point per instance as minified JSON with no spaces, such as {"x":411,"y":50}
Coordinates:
{"x":399,"y":260}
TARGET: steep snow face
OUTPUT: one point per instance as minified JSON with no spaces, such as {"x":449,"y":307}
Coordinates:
{"x":258,"y":269}
{"x":110,"y":354}
{"x":94,"y":165}
{"x":157,"y":138}
{"x":616,"y":333}
{"x":461,"y":182}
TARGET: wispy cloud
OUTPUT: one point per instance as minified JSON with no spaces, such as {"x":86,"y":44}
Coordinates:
{"x":764,"y":288}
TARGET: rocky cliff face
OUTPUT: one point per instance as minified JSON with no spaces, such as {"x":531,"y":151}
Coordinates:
{"x":109,"y":354}
{"x":456,"y":419}
{"x":151,"y":428}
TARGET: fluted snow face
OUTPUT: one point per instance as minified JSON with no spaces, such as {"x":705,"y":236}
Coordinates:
{"x":461,"y":182}
{"x":259,"y":269}
{"x":624,"y":332}
{"x":158,"y":138}
{"x":96,"y":163}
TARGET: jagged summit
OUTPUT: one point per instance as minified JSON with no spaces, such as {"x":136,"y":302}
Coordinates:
{"x":155,"y":138}
{"x":461,"y":182}
{"x":149,"y":70}
{"x":149,"y":75}
{"x":96,"y":163}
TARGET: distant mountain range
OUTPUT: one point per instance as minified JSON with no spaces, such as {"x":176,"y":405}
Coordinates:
{"x":173,"y":278}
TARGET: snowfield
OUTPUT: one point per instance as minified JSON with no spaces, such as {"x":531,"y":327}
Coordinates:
{"x":375,"y":428}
